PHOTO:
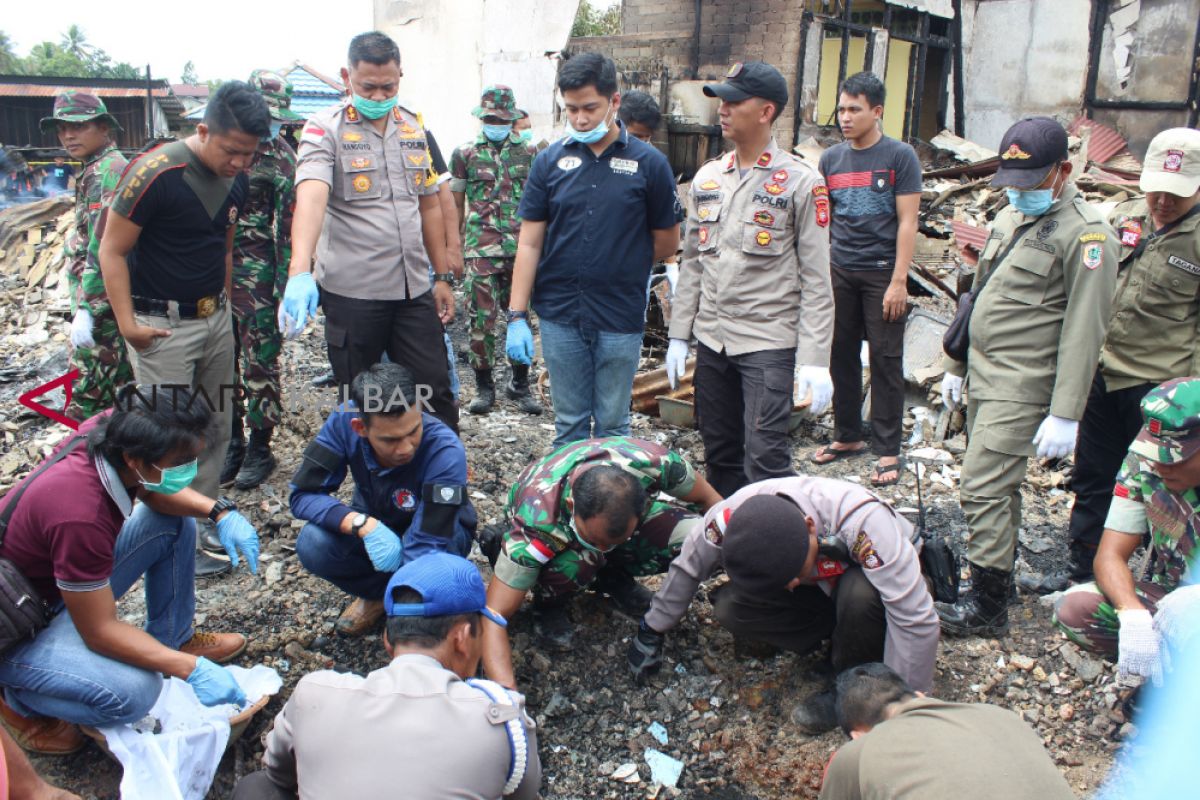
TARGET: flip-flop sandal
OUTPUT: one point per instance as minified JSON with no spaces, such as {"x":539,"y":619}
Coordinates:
{"x":881,"y":469}
{"x":838,"y":455}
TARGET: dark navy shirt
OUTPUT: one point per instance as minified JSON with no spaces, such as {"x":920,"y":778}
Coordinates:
{"x":599,"y":215}
{"x":391,"y":495}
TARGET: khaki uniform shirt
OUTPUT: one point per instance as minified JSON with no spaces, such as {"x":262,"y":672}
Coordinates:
{"x":879,"y":540}
{"x":411,"y":729}
{"x":1038,"y":324}
{"x":936,"y":750}
{"x":371,"y":245}
{"x":755,"y":268}
{"x":1154,"y":333}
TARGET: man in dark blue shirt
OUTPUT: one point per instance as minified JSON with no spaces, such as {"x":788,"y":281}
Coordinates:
{"x":410,"y":475}
{"x":599,"y":209}
{"x":56,"y":177}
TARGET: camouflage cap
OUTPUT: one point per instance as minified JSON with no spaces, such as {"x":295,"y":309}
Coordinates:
{"x":74,"y":106}
{"x":277,"y":91}
{"x":498,"y":101}
{"x":1171,"y":432}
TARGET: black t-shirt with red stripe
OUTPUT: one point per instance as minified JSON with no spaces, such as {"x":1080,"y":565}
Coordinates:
{"x":184,"y":210}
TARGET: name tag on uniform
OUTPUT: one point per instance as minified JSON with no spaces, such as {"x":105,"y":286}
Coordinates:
{"x":625,"y":166}
{"x":1045,"y":248}
{"x":568,"y":163}
{"x":1183,"y":264}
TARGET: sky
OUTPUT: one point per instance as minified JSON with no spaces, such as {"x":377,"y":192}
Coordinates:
{"x":225,"y":39}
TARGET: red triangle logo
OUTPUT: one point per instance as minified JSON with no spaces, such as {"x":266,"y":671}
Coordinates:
{"x":67,"y":382}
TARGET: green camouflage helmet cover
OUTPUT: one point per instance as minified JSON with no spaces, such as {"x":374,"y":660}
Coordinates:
{"x":75,"y":106}
{"x":277,"y":91}
{"x":498,"y":101}
{"x":1171,"y":432}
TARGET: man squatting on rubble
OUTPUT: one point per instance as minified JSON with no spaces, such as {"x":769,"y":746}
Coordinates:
{"x":753,"y":287}
{"x":421,"y":727}
{"x":587,"y":516}
{"x":808,"y":559}
{"x":410,"y":473}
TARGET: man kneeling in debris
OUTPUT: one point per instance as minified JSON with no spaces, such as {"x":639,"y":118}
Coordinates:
{"x":906,"y":745}
{"x":1157,"y":492}
{"x":587,"y":515}
{"x":420,"y":727}
{"x":808,"y":559}
{"x":410,"y":474}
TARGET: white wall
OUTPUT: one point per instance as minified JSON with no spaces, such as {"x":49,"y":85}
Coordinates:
{"x":452,"y":49}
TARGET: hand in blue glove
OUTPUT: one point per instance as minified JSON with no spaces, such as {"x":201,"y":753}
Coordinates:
{"x":214,"y":685}
{"x":300,"y":299}
{"x":383,"y":548}
{"x":519,"y":343}
{"x":237,"y":535}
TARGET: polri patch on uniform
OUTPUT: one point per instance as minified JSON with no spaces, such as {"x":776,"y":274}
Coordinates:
{"x":764,"y":218}
{"x":864,"y":553}
{"x":1131,"y":232}
{"x":351,"y":136}
{"x":1048,"y":227}
{"x":568,"y":163}
{"x":703,"y":234}
{"x":1174,"y":161}
{"x":714,"y":531}
{"x":404,"y":500}
{"x":762,"y":238}
{"x":779,"y":176}
{"x":708,"y":186}
{"x":1094,"y":236}
{"x":360,"y":163}
{"x":1184,"y":264}
{"x":361,"y":183}
{"x":821,"y":211}
{"x":773,"y":188}
{"x":764,"y":160}
{"x":625,"y":166}
{"x":1093,"y":254}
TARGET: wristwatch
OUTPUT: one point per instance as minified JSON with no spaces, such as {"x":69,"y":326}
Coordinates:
{"x":356,"y":524}
{"x":222,"y":505}
{"x":445,"y":277}
{"x":517,"y":315}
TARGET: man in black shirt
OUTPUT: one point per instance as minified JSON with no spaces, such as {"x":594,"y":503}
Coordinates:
{"x":167,"y":260}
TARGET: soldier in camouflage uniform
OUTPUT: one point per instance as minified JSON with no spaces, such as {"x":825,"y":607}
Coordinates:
{"x":85,"y":129}
{"x":487,"y":177}
{"x":588,"y":514}
{"x":261,"y":251}
{"x":1157,"y":492}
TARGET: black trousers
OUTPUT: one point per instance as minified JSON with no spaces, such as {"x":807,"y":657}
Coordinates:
{"x":1111,"y":421}
{"x":858,"y":314}
{"x":257,"y":786}
{"x":358,"y":333}
{"x":743,"y":404}
{"x":853,"y":618}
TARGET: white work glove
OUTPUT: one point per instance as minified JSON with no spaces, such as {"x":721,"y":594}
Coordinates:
{"x":81,"y":329}
{"x":677,"y":353}
{"x":1055,"y":437}
{"x":822,"y":388}
{"x":1137,"y":643}
{"x":672,"y":273}
{"x":951,"y":391}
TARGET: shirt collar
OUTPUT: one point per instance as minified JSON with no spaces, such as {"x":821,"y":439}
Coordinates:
{"x":101,"y":154}
{"x":765,"y":161}
{"x":112,"y":484}
{"x":622,"y":140}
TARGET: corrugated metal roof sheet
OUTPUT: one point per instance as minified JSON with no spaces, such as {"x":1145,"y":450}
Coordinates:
{"x":307,"y":106}
{"x":46,"y":90}
{"x":1103,"y":143}
{"x":305,"y":81}
{"x":965,"y":233}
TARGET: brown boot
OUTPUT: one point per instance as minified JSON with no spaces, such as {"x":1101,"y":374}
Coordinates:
{"x":42,"y":734}
{"x":216,"y":647}
{"x":360,"y":617}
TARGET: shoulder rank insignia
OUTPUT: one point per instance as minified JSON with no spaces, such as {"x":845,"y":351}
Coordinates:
{"x":352,"y":114}
{"x":764,"y":160}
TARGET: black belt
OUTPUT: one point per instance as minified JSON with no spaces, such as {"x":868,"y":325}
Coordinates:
{"x":204,"y":307}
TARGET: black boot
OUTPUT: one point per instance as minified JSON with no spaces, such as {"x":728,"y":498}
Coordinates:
{"x":259,"y":461}
{"x":491,"y":539}
{"x":1077,"y":569}
{"x":629,"y":596}
{"x":518,"y":390}
{"x":235,"y":454}
{"x":553,"y":627}
{"x":983,"y":609}
{"x":817,"y":714}
{"x":485,"y":393}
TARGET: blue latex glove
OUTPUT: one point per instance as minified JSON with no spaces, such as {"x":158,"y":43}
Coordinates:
{"x":213,"y":684}
{"x":383,"y":547}
{"x":237,"y":535}
{"x":519,"y":343}
{"x":300,"y":299}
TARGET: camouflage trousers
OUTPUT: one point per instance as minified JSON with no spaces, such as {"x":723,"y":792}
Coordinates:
{"x":1090,"y":621}
{"x":103,"y":368}
{"x":654,"y":544}
{"x":255,"y":303}
{"x":488,"y":284}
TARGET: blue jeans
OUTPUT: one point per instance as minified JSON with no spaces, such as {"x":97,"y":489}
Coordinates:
{"x":342,"y":559}
{"x":56,"y":675}
{"x":591,"y":380}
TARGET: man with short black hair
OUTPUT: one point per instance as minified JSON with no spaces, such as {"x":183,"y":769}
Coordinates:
{"x":599,"y":209}
{"x":875,"y":193}
{"x":167,"y":260}
{"x":422,"y":723}
{"x":640,"y":114}
{"x":410,"y":474}
{"x":907,"y":746}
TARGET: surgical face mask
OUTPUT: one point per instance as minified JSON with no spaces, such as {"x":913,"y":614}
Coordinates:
{"x":174,"y":479}
{"x":276,"y":127}
{"x":1033,"y":202}
{"x":497,"y":133}
{"x":526,"y":136}
{"x":586,"y":544}
{"x":594,"y":135}
{"x":372,"y":109}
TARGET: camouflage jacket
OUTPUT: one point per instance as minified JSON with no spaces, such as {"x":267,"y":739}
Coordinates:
{"x":539,"y":522}
{"x":492,"y":180}
{"x":94,"y":190}
{"x":264,"y":230}
{"x":1170,"y":517}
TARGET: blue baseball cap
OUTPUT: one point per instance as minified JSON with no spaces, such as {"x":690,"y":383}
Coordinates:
{"x":448,"y":584}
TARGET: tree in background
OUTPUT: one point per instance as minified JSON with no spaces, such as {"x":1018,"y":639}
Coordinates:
{"x":593,"y":21}
{"x":73,"y":57}
{"x":10,"y":62}
{"x":189,"y":74}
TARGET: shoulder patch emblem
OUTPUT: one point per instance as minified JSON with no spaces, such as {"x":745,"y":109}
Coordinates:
{"x":232,"y":214}
{"x":404,"y":500}
{"x":708,"y":186}
{"x":313,"y":133}
{"x":821,"y":208}
{"x":703,"y":234}
{"x":864,"y":553}
{"x":1092,"y":255}
{"x":1131,"y":232}
{"x":714,"y":531}
{"x":1095,"y":236}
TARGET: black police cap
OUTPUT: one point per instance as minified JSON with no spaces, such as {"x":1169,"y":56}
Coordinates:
{"x":751,"y":79}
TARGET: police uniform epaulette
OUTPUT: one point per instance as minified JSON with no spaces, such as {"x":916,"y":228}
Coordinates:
{"x":1091,"y":215}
